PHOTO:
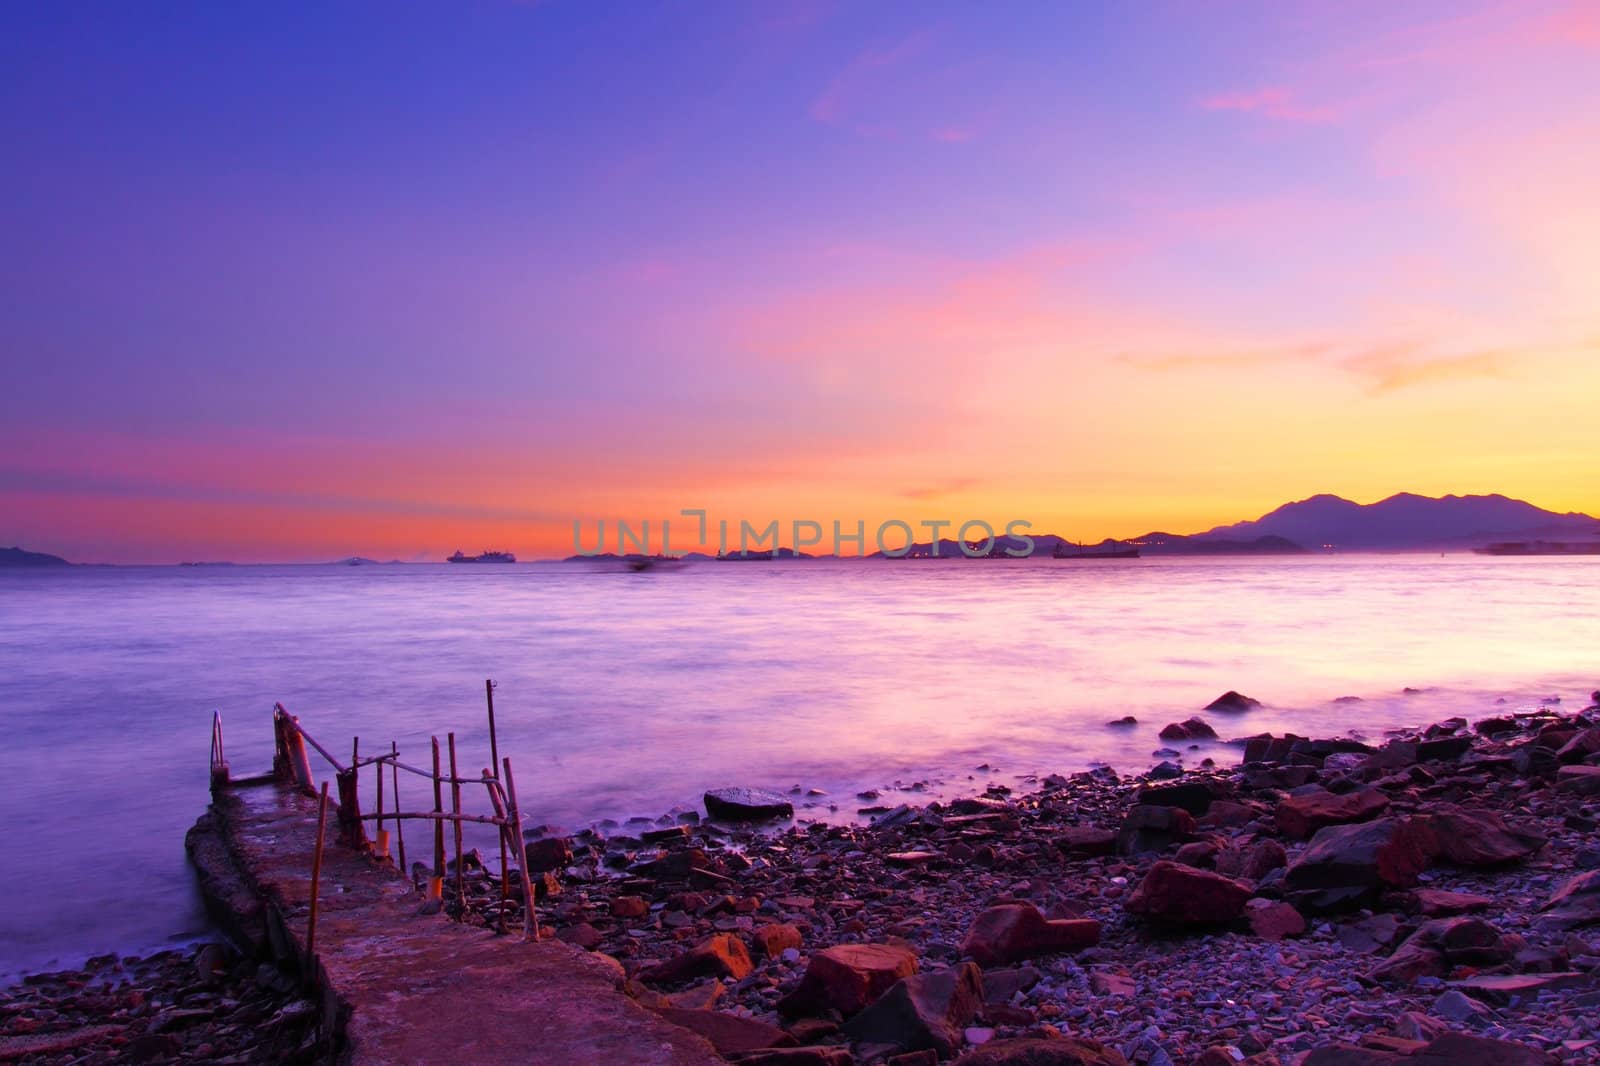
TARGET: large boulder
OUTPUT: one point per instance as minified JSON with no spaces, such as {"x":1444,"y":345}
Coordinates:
{"x":848,"y":977}
{"x":923,"y":1011}
{"x":1345,"y":864}
{"x":1480,"y":837}
{"x":1173,"y":894}
{"x":1302,"y":814}
{"x":1012,"y":932}
{"x":1040,"y":1051}
{"x":746,"y":804}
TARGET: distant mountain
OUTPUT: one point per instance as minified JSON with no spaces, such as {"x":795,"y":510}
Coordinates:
{"x":1204,"y":544}
{"x":18,"y":557}
{"x":1405,"y":521}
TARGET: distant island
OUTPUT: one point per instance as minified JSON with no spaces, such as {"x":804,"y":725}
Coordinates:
{"x":18,"y":557}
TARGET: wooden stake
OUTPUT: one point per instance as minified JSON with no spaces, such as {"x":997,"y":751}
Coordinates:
{"x":316,"y":875}
{"x":530,"y":921}
{"x":399,"y":827}
{"x":438,"y":808}
{"x":494,"y":769}
{"x":455,"y":809}
{"x":492,"y":785}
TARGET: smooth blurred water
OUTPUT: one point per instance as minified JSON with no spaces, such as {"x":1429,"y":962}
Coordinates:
{"x":627,"y":694}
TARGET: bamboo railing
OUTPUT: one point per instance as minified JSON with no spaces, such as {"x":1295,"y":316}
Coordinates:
{"x":291,"y":764}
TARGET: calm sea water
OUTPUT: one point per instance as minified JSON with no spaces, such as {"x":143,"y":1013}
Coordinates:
{"x":625,"y":694}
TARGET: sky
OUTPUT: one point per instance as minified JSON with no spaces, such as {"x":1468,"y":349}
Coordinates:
{"x":296,"y":282}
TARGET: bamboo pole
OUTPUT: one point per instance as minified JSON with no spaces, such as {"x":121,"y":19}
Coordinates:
{"x":455,"y":809}
{"x":316,"y":874}
{"x":383,"y":834}
{"x":492,"y":786}
{"x":399,"y":828}
{"x":494,"y":770}
{"x":436,"y":883}
{"x":530,"y":921}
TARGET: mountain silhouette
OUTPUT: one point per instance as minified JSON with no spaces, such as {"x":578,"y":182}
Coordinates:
{"x":1406,"y":521}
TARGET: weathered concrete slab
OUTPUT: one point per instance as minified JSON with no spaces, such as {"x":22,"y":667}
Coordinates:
{"x":410,"y":988}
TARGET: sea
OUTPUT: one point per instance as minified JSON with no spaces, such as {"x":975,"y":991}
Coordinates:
{"x":624,"y":695}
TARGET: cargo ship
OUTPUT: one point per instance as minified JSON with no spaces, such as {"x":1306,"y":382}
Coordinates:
{"x":486,"y":557}
{"x":1541,"y":547}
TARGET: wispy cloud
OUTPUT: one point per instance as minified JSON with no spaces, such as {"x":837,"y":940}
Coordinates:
{"x":1401,"y":366}
{"x":836,"y":100}
{"x":1274,"y":102}
{"x":939,"y":490}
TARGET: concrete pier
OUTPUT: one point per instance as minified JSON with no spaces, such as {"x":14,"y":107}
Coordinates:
{"x":401,"y":987}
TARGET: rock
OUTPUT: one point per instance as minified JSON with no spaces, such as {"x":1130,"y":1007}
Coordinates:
{"x":1480,"y":838}
{"x":1460,"y":1049}
{"x":1192,"y":729}
{"x":1439,"y":945}
{"x":1443,"y":748}
{"x":728,"y":1033}
{"x":1228,"y":814}
{"x":1036,"y":1051}
{"x":746,"y":804}
{"x":1232,"y":702}
{"x":629,"y":907}
{"x":581,"y":935}
{"x":1015,"y":931}
{"x":1301,"y":815}
{"x":1148,"y":829}
{"x":774,"y":940}
{"x":848,"y":977}
{"x":1579,"y":780}
{"x":1345,"y":863}
{"x":1086,"y":840}
{"x":1414,"y":1025}
{"x":552,"y":853}
{"x":1182,"y":895}
{"x":1456,"y":1007}
{"x":925,"y":1010}
{"x":1449,"y":1049}
{"x":799,"y":1056}
{"x":1125,"y":722}
{"x":722,"y":955}
{"x":1575,"y":903}
{"x":1580,"y":747}
{"x":1370,"y":934}
{"x":1108,"y":983}
{"x":1274,"y":920}
{"x":1195,"y":797}
{"x":1438,"y":903}
{"x":1252,"y":862}
{"x":1519,"y":989}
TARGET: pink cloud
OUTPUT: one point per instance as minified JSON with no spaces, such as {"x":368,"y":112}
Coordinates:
{"x":1272,"y":102}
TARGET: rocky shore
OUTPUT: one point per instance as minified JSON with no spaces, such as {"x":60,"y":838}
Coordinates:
{"x":196,"y":1005}
{"x":1427,"y":897}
